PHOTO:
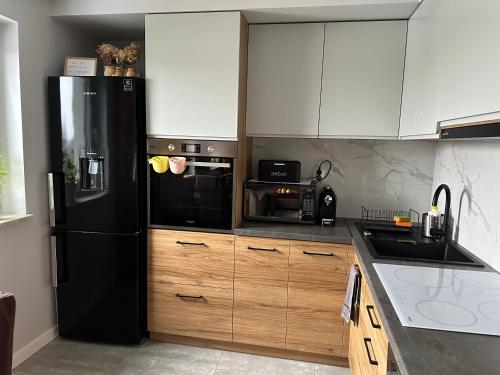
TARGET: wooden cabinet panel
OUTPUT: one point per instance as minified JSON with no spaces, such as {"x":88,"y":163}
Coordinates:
{"x":260,"y":312}
{"x":284,"y":79}
{"x":261,"y":258}
{"x":368,"y":344}
{"x":260,"y":291}
{"x":362,"y":79}
{"x":318,"y":263}
{"x":314,"y":323}
{"x":345,"y":338}
{"x":190,"y":310}
{"x":192,"y":258}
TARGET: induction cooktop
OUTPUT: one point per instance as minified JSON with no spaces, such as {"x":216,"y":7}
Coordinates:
{"x":443,"y":298}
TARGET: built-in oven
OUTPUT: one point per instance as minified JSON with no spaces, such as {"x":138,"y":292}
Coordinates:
{"x":198,"y":195}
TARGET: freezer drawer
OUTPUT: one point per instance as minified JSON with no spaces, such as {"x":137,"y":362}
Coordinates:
{"x":100,"y":288}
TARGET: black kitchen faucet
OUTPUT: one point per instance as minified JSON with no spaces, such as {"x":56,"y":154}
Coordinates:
{"x":444,"y":231}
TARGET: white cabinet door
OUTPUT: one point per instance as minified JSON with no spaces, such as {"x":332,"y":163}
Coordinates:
{"x":192,"y":65}
{"x":284,"y":79}
{"x":419,"y":109}
{"x":471,"y":64}
{"x":362,"y":79}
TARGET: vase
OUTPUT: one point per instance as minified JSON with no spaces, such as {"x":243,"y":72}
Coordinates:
{"x":130,"y":72}
{"x":109,"y":70}
{"x":118,"y":72}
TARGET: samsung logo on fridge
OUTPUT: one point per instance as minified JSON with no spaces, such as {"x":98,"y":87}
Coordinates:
{"x":90,"y":93}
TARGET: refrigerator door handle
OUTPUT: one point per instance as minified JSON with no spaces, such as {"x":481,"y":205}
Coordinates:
{"x":52,"y":208}
{"x":53,"y":258}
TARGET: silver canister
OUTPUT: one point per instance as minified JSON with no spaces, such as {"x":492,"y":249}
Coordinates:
{"x":431,"y":223}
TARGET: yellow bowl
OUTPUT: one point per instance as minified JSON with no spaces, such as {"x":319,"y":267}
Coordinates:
{"x":160,"y":163}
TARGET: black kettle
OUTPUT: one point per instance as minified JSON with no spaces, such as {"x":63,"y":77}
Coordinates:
{"x":327,"y":209}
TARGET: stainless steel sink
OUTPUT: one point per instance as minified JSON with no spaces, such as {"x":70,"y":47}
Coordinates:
{"x":407,"y":244}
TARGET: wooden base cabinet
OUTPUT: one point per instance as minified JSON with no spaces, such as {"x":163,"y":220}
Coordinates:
{"x":368,"y":343}
{"x":316,"y":289}
{"x":260,"y":291}
{"x":190,"y":284}
{"x":274,"y":294}
{"x":314,"y":323}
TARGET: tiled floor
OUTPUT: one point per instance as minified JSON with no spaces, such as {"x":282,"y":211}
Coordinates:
{"x":153,"y":358}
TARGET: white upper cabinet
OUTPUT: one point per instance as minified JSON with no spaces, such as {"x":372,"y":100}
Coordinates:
{"x":284,"y":79}
{"x":419,"y":110}
{"x":192,"y":65}
{"x":471,"y":59}
{"x":362,"y":79}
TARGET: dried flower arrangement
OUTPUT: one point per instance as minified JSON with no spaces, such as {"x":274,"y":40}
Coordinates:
{"x":111,"y":56}
{"x":131,"y":53}
{"x":108,"y":53}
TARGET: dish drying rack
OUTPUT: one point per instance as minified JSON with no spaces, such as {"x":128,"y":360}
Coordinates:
{"x":384,"y":219}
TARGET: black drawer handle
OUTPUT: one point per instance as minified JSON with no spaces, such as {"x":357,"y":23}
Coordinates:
{"x":314,"y":253}
{"x":369,"y":309}
{"x":372,"y":361}
{"x":189,"y":298}
{"x":191,"y":243}
{"x":260,"y":249}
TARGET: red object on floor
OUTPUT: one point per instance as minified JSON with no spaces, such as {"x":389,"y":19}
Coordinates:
{"x":7,"y":315}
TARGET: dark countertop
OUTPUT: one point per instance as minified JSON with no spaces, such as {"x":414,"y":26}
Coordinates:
{"x":339,"y":233}
{"x":424,"y":351}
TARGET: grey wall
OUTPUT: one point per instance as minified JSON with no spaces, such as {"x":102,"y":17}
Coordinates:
{"x":472,"y":170}
{"x":24,"y":246}
{"x":377,"y":174}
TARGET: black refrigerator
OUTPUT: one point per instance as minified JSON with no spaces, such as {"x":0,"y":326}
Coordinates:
{"x":97,"y":207}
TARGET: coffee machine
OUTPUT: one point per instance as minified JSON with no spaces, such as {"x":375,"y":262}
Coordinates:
{"x":327,"y":207}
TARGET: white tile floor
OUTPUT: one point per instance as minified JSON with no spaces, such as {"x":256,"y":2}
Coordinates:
{"x":154,"y":358}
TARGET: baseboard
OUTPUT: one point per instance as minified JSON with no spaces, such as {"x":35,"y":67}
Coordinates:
{"x":38,"y":343}
{"x":252,"y":349}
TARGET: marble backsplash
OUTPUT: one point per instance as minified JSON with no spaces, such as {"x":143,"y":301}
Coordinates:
{"x":472,"y":170}
{"x":376,"y":174}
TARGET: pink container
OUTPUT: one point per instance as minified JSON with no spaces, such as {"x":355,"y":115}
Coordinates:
{"x":177,"y":164}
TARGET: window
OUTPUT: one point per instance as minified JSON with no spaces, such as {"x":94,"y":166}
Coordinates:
{"x":12,"y":196}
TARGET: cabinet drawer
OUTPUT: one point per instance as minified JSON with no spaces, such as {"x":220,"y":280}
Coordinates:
{"x":363,"y":353}
{"x":192,"y":258}
{"x":371,"y":324}
{"x":190,"y":310}
{"x":318,"y":263}
{"x":261,"y":258}
{"x":314,"y":323}
{"x":260,"y":312}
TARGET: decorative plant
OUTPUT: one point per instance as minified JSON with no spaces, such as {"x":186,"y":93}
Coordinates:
{"x":3,"y":172}
{"x":129,"y":55}
{"x":108,"y":53}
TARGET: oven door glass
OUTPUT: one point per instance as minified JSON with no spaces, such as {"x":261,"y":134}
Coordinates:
{"x":200,"y":197}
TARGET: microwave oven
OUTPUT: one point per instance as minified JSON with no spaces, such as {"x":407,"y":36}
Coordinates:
{"x":279,"y":202}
